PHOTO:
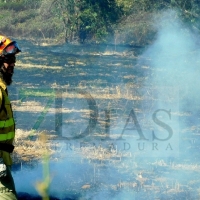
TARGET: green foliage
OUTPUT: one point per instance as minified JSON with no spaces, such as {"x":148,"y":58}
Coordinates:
{"x":189,"y":12}
{"x":12,"y":6}
{"x":67,"y":11}
{"x":87,"y":19}
{"x":6,"y":21}
{"x":24,"y":16}
{"x":91,"y":20}
{"x":90,"y":25}
{"x":19,"y":4}
{"x":107,"y":13}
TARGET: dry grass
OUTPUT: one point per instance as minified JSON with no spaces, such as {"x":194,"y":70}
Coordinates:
{"x":116,"y":97}
{"x":27,"y":149}
{"x":29,"y":66}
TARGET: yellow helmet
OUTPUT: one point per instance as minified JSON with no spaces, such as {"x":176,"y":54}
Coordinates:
{"x":8,"y":47}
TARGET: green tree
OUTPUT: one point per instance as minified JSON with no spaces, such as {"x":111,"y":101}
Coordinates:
{"x":98,"y":17}
{"x":68,"y":12}
{"x":85,"y":18}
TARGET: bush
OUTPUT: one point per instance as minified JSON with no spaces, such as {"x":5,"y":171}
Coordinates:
{"x":12,"y":6}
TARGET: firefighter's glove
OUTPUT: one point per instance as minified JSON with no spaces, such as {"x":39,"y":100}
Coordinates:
{"x":3,"y":171}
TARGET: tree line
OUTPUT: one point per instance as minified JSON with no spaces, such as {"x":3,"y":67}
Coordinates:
{"x":90,"y":20}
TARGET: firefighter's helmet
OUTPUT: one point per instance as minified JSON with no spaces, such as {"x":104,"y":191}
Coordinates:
{"x":8,"y":47}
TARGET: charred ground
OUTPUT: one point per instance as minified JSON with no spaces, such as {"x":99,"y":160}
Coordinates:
{"x":116,"y":83}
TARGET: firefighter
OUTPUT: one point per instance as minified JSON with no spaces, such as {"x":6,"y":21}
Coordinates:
{"x":8,"y":50}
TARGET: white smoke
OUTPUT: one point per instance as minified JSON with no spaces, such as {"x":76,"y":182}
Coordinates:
{"x":173,"y":54}
{"x":173,"y":60}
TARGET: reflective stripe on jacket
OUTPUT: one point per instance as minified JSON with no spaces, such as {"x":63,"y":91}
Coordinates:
{"x":7,"y":124}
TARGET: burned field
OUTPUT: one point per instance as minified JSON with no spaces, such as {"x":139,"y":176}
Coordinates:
{"x":110,"y":130}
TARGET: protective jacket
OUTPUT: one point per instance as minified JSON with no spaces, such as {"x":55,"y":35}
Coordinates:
{"x":7,"y":124}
